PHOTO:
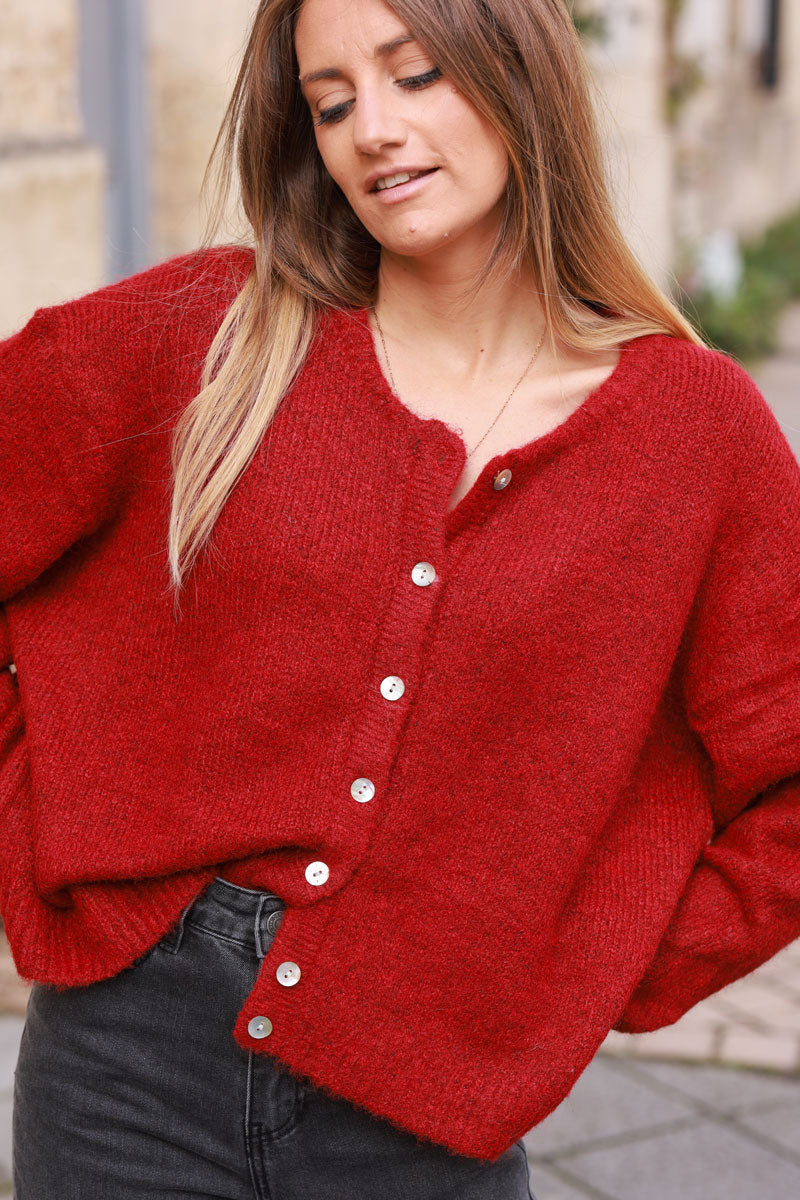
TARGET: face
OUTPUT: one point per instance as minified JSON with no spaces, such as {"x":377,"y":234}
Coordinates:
{"x":383,"y":110}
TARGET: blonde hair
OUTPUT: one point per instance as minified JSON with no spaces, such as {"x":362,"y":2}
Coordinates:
{"x":521,"y":65}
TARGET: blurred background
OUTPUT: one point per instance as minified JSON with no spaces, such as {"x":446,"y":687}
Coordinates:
{"x":109,"y":108}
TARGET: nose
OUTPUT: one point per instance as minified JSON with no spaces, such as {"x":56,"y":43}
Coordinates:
{"x":378,"y":121}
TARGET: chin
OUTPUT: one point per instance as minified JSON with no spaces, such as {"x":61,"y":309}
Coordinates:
{"x":414,"y":243}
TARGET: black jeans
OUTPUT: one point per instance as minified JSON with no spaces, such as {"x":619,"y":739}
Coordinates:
{"x":134,"y":1087}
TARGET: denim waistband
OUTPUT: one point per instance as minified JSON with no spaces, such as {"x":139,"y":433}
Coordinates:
{"x":228,"y":910}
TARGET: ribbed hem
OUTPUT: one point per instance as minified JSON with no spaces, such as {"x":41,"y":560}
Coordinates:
{"x":105,"y":928}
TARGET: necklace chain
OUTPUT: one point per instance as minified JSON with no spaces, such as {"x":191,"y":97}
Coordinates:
{"x":497,"y":418}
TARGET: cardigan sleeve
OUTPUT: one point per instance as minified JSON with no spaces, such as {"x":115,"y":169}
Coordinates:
{"x":56,"y":486}
{"x":54,"y":472}
{"x":740,"y":679}
{"x":81,"y":384}
{"x":15,"y":842}
{"x":84,"y":378}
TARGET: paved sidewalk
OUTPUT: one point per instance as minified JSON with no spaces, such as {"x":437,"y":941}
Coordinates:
{"x":632,"y":1130}
{"x":705,"y":1109}
{"x":754,"y":1022}
{"x":10,"y":1030}
{"x":779,"y":378}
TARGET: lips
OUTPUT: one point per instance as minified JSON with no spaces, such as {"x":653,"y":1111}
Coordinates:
{"x":414,"y":172}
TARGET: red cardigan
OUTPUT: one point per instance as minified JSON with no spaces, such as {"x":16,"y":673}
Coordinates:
{"x":522,"y":773}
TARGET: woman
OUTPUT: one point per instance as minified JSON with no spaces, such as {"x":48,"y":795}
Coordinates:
{"x":476,"y":732}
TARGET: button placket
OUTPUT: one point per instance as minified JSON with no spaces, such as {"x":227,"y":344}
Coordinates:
{"x":423,"y":574}
{"x":362,"y":789}
{"x":287,"y":974}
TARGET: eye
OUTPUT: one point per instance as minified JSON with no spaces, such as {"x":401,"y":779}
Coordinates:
{"x":413,"y":82}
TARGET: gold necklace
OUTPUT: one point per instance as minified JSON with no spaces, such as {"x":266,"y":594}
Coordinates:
{"x":497,"y":418}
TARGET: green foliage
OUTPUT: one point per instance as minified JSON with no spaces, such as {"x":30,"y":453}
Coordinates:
{"x":778,"y":251}
{"x":590,"y":25}
{"x":746,"y":325}
{"x":683,"y":73}
{"x":684,"y":78}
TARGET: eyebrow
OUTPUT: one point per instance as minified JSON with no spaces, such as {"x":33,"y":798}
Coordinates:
{"x":381,"y":51}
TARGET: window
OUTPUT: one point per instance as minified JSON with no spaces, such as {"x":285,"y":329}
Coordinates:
{"x":769,"y":69}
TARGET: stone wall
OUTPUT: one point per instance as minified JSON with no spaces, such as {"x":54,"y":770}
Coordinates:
{"x":51,"y":180}
{"x":628,"y":69}
{"x":195,"y":47}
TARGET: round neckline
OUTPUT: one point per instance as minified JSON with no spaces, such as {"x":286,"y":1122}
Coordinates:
{"x":625,"y":376}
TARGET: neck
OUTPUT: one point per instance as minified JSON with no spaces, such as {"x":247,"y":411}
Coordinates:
{"x":423,"y":311}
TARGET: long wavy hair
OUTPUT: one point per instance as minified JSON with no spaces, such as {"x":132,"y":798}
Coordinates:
{"x":521,"y":65}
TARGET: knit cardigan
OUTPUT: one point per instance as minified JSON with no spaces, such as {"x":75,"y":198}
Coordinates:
{"x":523,"y":772}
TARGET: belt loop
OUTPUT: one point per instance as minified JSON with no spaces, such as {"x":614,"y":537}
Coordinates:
{"x":173,"y":937}
{"x":257,"y":931}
